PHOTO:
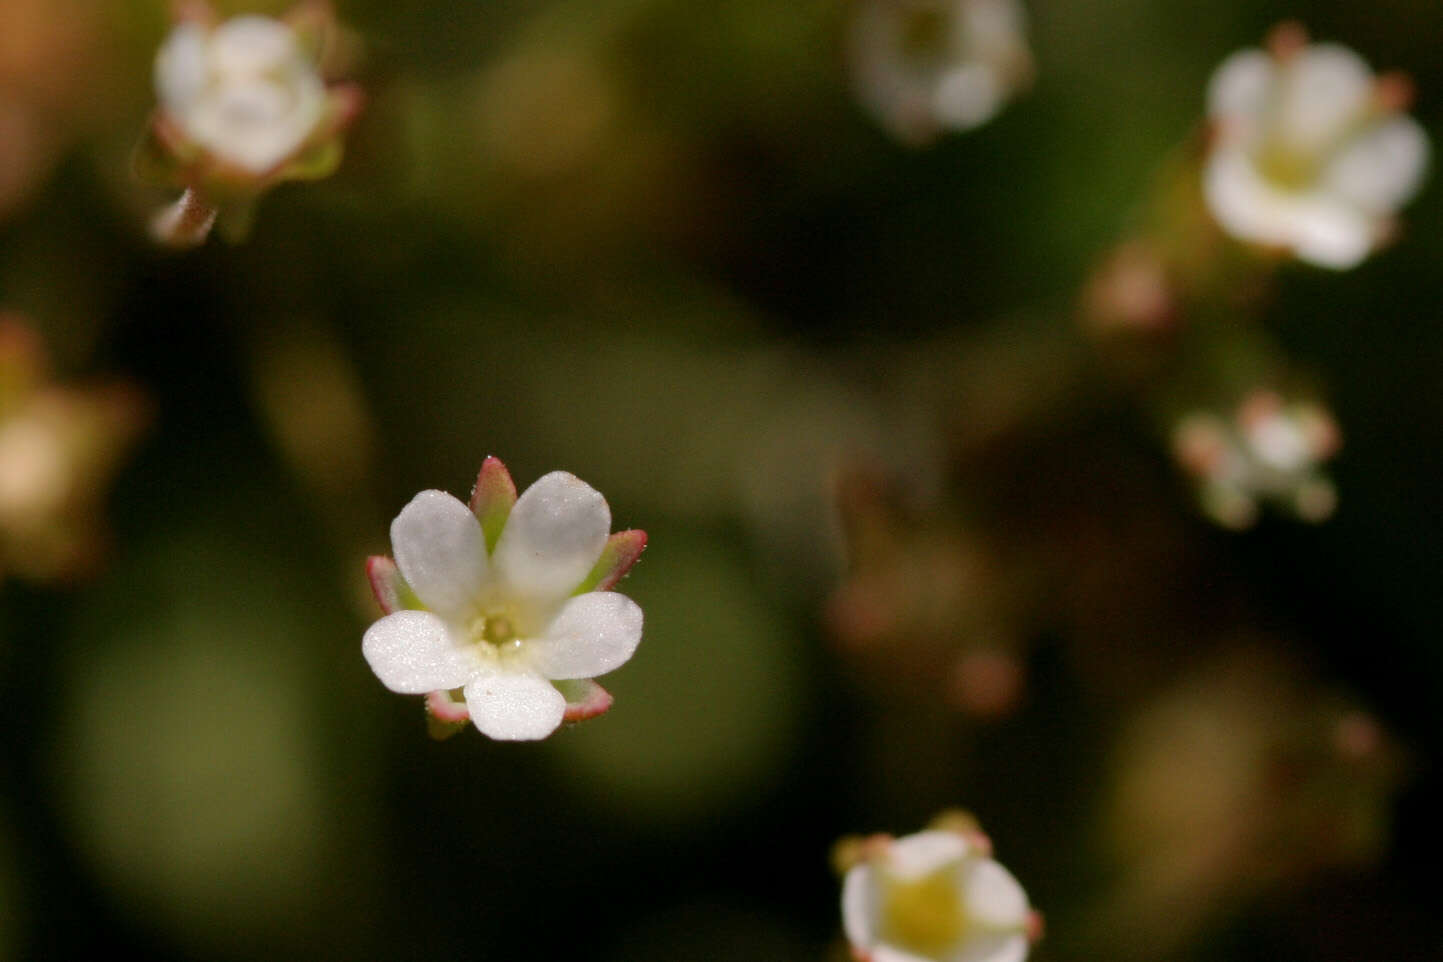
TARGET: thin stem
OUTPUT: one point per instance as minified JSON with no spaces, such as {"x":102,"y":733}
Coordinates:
{"x":185,"y":223}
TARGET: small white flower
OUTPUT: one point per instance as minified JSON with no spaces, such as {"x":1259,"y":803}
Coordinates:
{"x":245,"y":91}
{"x":494,"y":598}
{"x":925,"y":66}
{"x":1311,"y":152}
{"x":935,"y":896}
{"x":1271,"y":450}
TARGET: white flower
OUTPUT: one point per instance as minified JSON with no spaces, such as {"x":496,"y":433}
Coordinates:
{"x":497,"y":606}
{"x":935,"y":896}
{"x":1271,"y":450}
{"x":1310,"y":152}
{"x":245,"y":91}
{"x":924,"y":66}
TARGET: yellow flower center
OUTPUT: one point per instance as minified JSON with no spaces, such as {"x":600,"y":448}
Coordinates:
{"x":497,"y":629}
{"x":1286,"y":166}
{"x":495,"y":633}
{"x":925,"y":915}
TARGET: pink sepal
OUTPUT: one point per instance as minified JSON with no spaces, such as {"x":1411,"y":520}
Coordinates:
{"x":387,"y":584}
{"x":442,"y":706}
{"x":1286,"y":41}
{"x":622,"y":550}
{"x":492,"y":498}
{"x":344,"y":103}
{"x":193,"y":11}
{"x":584,"y":699}
{"x":444,"y":715}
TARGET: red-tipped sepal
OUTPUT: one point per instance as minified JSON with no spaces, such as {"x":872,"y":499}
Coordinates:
{"x":584,"y":699}
{"x":493,"y":498}
{"x":388,"y":586}
{"x":622,"y":550}
{"x":445,"y":716}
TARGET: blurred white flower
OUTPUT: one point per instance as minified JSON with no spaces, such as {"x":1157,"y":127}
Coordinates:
{"x":1311,"y":152}
{"x":245,"y":90}
{"x":935,"y":896}
{"x":1269,"y":451}
{"x":60,"y":445}
{"x":503,"y":597}
{"x":926,"y":66}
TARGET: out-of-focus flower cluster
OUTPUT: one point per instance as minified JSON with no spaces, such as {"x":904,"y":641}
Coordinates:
{"x":1269,"y":451}
{"x":59,"y":447}
{"x":1307,"y":153}
{"x":926,"y":606}
{"x":1247,"y":776}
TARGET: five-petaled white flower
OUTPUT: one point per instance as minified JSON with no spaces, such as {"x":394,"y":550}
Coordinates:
{"x":245,"y":90}
{"x":1271,"y":450}
{"x":926,"y":66}
{"x":936,"y":896}
{"x":1311,"y":151}
{"x":507,"y":599}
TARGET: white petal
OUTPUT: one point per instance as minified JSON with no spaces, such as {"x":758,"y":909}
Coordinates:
{"x":921,"y":854}
{"x":1381,"y":169}
{"x":252,"y":44}
{"x":859,"y":905}
{"x":1328,"y":233}
{"x":890,"y":953}
{"x":993,"y":947}
{"x":412,"y":653}
{"x":514,"y":707}
{"x":593,"y":634}
{"x":554,"y":535}
{"x":1320,"y":228}
{"x":1324,"y":90}
{"x":1239,"y":87}
{"x":967,"y":96}
{"x":180,"y":68}
{"x":993,"y":896}
{"x":1242,"y":203}
{"x":1279,"y":442}
{"x":441,"y":552}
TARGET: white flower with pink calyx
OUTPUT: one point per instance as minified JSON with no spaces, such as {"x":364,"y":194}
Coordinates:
{"x":936,"y":896}
{"x":1311,"y":151}
{"x":506,"y":601}
{"x":923,"y":67}
{"x":1271,"y":450}
{"x":243,"y":106}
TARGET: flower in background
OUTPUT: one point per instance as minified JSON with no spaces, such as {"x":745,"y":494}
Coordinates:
{"x":927,"y":66}
{"x":928,"y":608}
{"x":936,"y":895}
{"x":507,"y":600}
{"x":245,"y":91}
{"x":243,"y":106}
{"x":54,"y":65}
{"x":59,"y":447}
{"x":1248,"y":777}
{"x":1271,"y":450}
{"x":1311,"y":151}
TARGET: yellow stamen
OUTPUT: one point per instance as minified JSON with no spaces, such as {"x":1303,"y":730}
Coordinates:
{"x":925,"y":915}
